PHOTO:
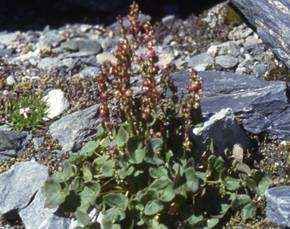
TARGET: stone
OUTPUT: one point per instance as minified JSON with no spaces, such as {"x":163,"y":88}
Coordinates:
{"x":222,"y":130}
{"x":56,"y":103}
{"x":89,"y":72}
{"x":37,"y":216}
{"x":19,"y":184}
{"x":165,"y":59}
{"x":227,"y":48}
{"x":272,"y":22}
{"x":12,"y":143}
{"x":7,"y":38}
{"x":73,"y":129}
{"x":88,"y":46}
{"x":226,"y":61}
{"x":10,"y":80}
{"x":168,"y":20}
{"x":201,"y":62}
{"x":106,"y":57}
{"x":262,"y":106}
{"x":278,"y":205}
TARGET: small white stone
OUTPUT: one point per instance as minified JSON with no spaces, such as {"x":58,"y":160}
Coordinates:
{"x":106,"y":57}
{"x":212,"y":50}
{"x":56,"y":103}
{"x":165,"y":59}
{"x":10,"y":80}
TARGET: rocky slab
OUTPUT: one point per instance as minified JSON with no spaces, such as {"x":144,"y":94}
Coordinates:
{"x":271,"y":18}
{"x":19,"y":185}
{"x":262,"y":105}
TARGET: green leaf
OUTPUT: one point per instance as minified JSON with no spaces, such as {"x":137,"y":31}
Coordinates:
{"x":232,"y":184}
{"x":107,"y":168}
{"x":101,"y":132}
{"x":153,"y":207}
{"x":116,"y":200}
{"x":138,"y":156}
{"x":263,"y":185}
{"x":158,"y":172}
{"x":88,"y":196}
{"x":68,"y":171}
{"x":82,"y":217}
{"x":167,"y":194}
{"x":122,"y":137}
{"x":211,"y":223}
{"x":125,"y":172}
{"x":112,"y":215}
{"x":251,"y":183}
{"x":89,"y":148}
{"x":168,"y":156}
{"x":192,"y":181}
{"x":193,"y":220}
{"x":54,"y":194}
{"x":249,"y":211}
{"x":160,"y":183}
{"x":241,"y":201}
{"x":87,"y":175}
{"x":216,"y":165}
{"x":156,"y":144}
{"x":133,"y":144}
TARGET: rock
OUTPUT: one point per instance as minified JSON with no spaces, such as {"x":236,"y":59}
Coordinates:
{"x":19,"y":184}
{"x":168,"y":20}
{"x":36,"y":216}
{"x":227,"y":48}
{"x":165,"y":59}
{"x":12,"y":143}
{"x":222,"y":130}
{"x":261,"y":105}
{"x":240,"y":32}
{"x":106,"y":57}
{"x":278,"y":205}
{"x":272,"y":22}
{"x":49,"y":39}
{"x":226,"y":61}
{"x":56,"y":103}
{"x":89,"y":72}
{"x":73,"y":129}
{"x":216,"y":15}
{"x":88,"y":46}
{"x":260,"y":69}
{"x":7,"y":38}
{"x":201,"y":61}
{"x":10,"y":80}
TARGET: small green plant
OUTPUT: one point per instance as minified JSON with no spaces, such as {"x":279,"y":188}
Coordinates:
{"x":27,"y":112}
{"x":142,"y":170}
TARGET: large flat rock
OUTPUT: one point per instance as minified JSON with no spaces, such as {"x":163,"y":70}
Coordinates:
{"x":73,"y":129}
{"x":262,"y":105}
{"x":271,"y":18}
{"x":19,"y":185}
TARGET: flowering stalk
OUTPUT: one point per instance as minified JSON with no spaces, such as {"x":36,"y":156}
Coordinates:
{"x":192,"y":101}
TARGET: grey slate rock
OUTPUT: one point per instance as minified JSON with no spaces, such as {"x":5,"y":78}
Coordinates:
{"x":11,"y":143}
{"x":201,"y":61}
{"x":82,"y":45}
{"x":222,"y":130}
{"x":36,"y":216}
{"x":19,"y":184}
{"x":73,"y":129}
{"x":89,"y":72}
{"x":272,"y":22}
{"x":226,"y":61}
{"x":278,"y":205}
{"x":262,"y":105}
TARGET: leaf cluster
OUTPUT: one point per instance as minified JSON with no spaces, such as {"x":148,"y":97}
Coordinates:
{"x":135,"y":181}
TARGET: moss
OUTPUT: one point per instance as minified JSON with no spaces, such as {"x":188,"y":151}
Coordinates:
{"x":27,"y":113}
